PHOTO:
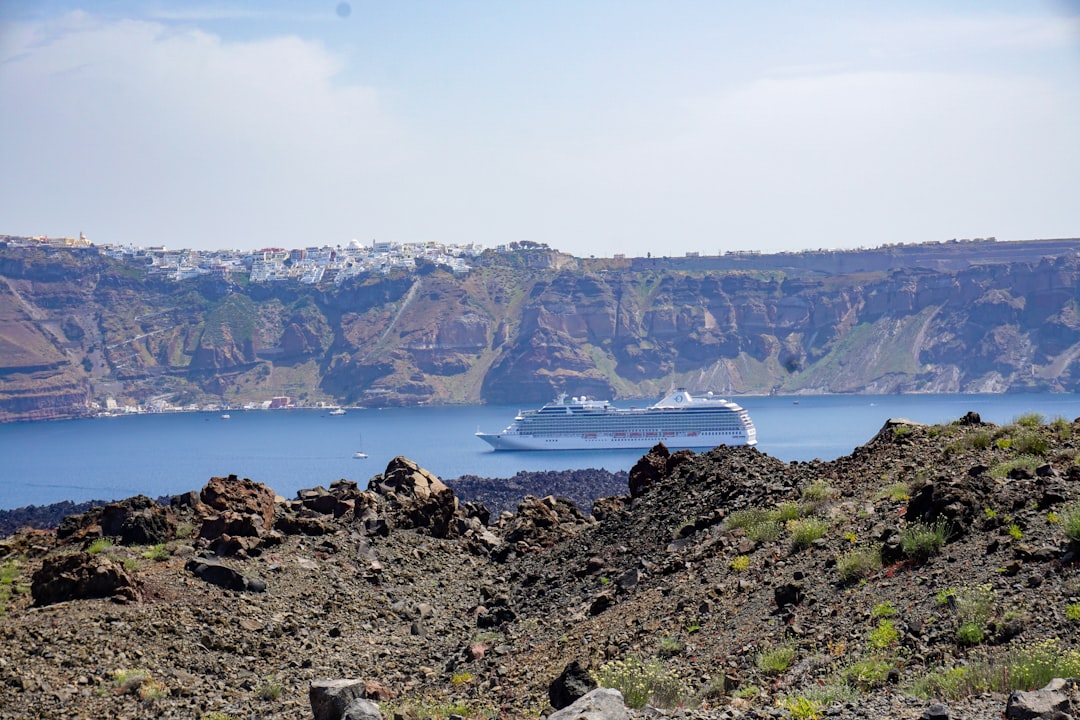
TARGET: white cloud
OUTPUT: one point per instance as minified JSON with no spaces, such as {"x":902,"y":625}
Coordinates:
{"x":227,"y":140}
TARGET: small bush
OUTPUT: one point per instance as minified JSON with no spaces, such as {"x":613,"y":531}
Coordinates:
{"x":919,"y":540}
{"x":858,"y":563}
{"x":884,"y":635}
{"x":897,"y":492}
{"x":99,"y":545}
{"x":670,"y":645}
{"x":970,"y":633}
{"x":1030,"y":443}
{"x":1029,"y":420}
{"x":269,"y":689}
{"x":1072,"y":612}
{"x":641,"y":682}
{"x":775,"y":660}
{"x":816,"y":495}
{"x":802,"y":707}
{"x":805,"y":531}
{"x":950,"y":684}
{"x":885,"y":609}
{"x":866,"y":674}
{"x":1002,"y":469}
{"x":1034,"y":665}
{"x":1070,"y":522}
{"x":157,"y":553}
{"x":1015,"y":532}
{"x":979,"y":440}
{"x":765,"y":532}
{"x":739,"y":563}
{"x":786,"y":511}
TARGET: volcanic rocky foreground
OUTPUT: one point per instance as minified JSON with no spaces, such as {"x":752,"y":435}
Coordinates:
{"x":730,"y":583}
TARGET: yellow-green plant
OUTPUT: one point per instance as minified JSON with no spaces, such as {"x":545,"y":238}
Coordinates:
{"x":1072,"y":612}
{"x":641,"y":682}
{"x":269,"y":689}
{"x":920,"y":540}
{"x":802,"y":707}
{"x":858,"y":563}
{"x":739,"y":563}
{"x":775,"y":659}
{"x":884,"y":609}
{"x":1070,"y":522}
{"x":884,"y":635}
{"x":99,"y":545}
{"x":866,"y":673}
{"x":806,"y":530}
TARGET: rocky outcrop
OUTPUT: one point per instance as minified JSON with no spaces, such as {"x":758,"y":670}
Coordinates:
{"x":134,"y":521}
{"x":77,"y":328}
{"x":415,"y":498}
{"x":78,"y":576}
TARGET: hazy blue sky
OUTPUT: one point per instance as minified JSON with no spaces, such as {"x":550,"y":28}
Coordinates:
{"x":596,"y":126}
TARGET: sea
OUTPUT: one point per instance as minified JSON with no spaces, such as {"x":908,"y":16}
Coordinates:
{"x":165,"y":454}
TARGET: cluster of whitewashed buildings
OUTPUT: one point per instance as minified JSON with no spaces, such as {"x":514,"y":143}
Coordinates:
{"x":311,"y":265}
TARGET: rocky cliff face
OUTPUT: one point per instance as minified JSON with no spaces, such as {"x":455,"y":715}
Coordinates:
{"x":75,"y":328}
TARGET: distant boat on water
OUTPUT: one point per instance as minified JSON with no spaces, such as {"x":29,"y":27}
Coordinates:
{"x":225,"y":416}
{"x":337,"y":411}
{"x":360,"y":454}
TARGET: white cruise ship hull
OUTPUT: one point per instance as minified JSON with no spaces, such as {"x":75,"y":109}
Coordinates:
{"x":680,"y":420}
{"x":508,"y":441}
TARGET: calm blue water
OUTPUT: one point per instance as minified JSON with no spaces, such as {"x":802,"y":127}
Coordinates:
{"x":111,"y":458}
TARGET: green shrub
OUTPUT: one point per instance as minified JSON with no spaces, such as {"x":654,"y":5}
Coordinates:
{"x":1002,"y":469}
{"x":739,"y":563}
{"x":775,"y":660}
{"x":884,"y":609}
{"x":786,"y":511}
{"x":919,"y":540}
{"x":1072,"y":612}
{"x":1030,"y":443}
{"x":269,"y":689}
{"x":1070,"y":522}
{"x":979,"y":440}
{"x":99,"y":545}
{"x":802,"y":707}
{"x":858,"y":563}
{"x":670,"y":645}
{"x":1029,"y":420}
{"x":867,"y":673}
{"x":950,"y":684}
{"x":157,"y":553}
{"x":765,"y":532}
{"x":743,"y":519}
{"x":1034,"y":665}
{"x":884,"y":635}
{"x":641,"y":682}
{"x":897,"y":492}
{"x":805,"y":531}
{"x":970,"y":633}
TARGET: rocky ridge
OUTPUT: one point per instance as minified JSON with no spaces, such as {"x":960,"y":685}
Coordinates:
{"x":730,"y":576}
{"x":77,"y":329}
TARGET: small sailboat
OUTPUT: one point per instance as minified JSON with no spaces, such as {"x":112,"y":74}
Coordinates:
{"x":360,"y":454}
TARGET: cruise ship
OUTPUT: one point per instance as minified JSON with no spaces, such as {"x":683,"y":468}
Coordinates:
{"x":680,"y":420}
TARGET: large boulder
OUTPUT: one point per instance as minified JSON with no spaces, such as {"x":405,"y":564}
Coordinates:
{"x":415,"y":497}
{"x":138,"y":520}
{"x":78,"y":576}
{"x":241,"y":508}
{"x":341,"y":699}
{"x":599,"y":704}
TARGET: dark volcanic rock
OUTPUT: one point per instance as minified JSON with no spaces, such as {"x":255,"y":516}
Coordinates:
{"x":78,"y":576}
{"x":416,"y":497}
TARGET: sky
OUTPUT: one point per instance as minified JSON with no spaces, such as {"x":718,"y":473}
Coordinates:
{"x":598,"y":127}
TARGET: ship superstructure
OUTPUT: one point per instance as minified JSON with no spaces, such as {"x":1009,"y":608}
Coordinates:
{"x":680,"y":420}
